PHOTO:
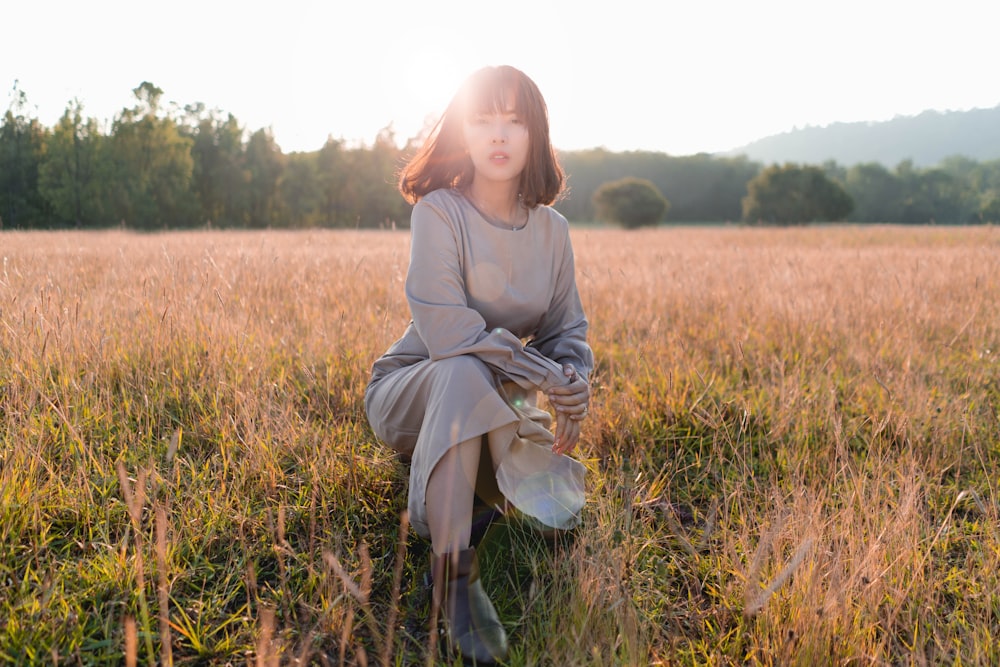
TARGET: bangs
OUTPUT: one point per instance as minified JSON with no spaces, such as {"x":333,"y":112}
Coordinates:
{"x":493,"y":91}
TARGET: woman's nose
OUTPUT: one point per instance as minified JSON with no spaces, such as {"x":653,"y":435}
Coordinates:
{"x":499,"y":135}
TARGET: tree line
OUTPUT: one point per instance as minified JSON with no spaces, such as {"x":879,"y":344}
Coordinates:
{"x":705,"y":188}
{"x":158,"y":168}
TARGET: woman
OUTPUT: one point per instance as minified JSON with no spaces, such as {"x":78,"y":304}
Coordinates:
{"x":496,"y":317}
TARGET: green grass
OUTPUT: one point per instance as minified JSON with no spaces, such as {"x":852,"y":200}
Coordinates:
{"x":793,"y":450}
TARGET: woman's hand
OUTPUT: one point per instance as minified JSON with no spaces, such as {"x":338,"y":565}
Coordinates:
{"x":571,"y":402}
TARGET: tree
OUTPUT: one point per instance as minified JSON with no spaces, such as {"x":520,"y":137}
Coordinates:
{"x":983,"y":183}
{"x":989,"y":209}
{"x":331,"y":172}
{"x":935,"y":195}
{"x":70,"y":175}
{"x":876,"y":191}
{"x":630,"y":202}
{"x":368,"y":192}
{"x":218,"y":179}
{"x":793,"y":194}
{"x":300,"y":191}
{"x":22,"y":144}
{"x":265,"y":164}
{"x":153,"y":181}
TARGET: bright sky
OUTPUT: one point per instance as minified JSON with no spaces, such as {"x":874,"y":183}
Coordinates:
{"x":679,"y":76}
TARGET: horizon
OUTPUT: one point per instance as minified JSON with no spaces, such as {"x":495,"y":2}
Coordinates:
{"x":364,"y":142}
{"x":688,"y":80}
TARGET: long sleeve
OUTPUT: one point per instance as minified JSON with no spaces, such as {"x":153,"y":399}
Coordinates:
{"x":562,"y":334}
{"x":444,"y":320}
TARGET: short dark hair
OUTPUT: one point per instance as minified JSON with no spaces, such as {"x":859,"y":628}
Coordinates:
{"x":442,"y":161}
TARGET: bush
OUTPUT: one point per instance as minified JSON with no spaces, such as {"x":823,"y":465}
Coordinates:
{"x":630,"y":202}
{"x":792,"y":194}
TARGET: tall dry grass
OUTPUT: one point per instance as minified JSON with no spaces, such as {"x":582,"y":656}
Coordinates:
{"x":794,"y":452}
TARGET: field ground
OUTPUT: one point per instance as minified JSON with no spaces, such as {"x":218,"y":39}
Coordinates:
{"x":794,"y":451}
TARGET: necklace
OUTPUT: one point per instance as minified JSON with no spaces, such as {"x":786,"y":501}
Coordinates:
{"x":513,"y":222}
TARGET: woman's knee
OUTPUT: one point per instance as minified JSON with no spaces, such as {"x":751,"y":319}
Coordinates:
{"x":463,"y":368}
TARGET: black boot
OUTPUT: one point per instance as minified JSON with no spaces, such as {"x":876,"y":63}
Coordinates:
{"x":474,"y":629}
{"x":483,"y":518}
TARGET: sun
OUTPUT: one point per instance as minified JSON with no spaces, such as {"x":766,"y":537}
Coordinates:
{"x":427,"y":85}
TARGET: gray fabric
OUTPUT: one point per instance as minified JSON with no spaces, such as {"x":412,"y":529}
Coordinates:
{"x":477,"y":292}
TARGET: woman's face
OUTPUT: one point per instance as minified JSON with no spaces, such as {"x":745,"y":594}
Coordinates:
{"x":498,"y":144}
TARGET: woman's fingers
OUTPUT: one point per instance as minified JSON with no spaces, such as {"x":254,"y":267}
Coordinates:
{"x":571,"y":402}
{"x":570,"y":393}
{"x":567,"y":435}
{"x":572,"y":399}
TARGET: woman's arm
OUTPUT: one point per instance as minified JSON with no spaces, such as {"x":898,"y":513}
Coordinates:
{"x":562,"y":333}
{"x":435,"y":290}
{"x":562,"y":336}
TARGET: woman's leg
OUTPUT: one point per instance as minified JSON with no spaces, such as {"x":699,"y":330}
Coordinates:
{"x":450,"y":495}
{"x":474,"y":628}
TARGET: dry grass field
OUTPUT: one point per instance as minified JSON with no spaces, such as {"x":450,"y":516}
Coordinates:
{"x":794,"y":453}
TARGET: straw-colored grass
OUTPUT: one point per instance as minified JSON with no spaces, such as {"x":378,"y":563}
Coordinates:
{"x":794,"y":451}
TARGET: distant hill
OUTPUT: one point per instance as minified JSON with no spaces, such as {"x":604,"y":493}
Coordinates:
{"x":926,"y":139}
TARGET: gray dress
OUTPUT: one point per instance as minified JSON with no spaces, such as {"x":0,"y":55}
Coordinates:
{"x":496,"y":313}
